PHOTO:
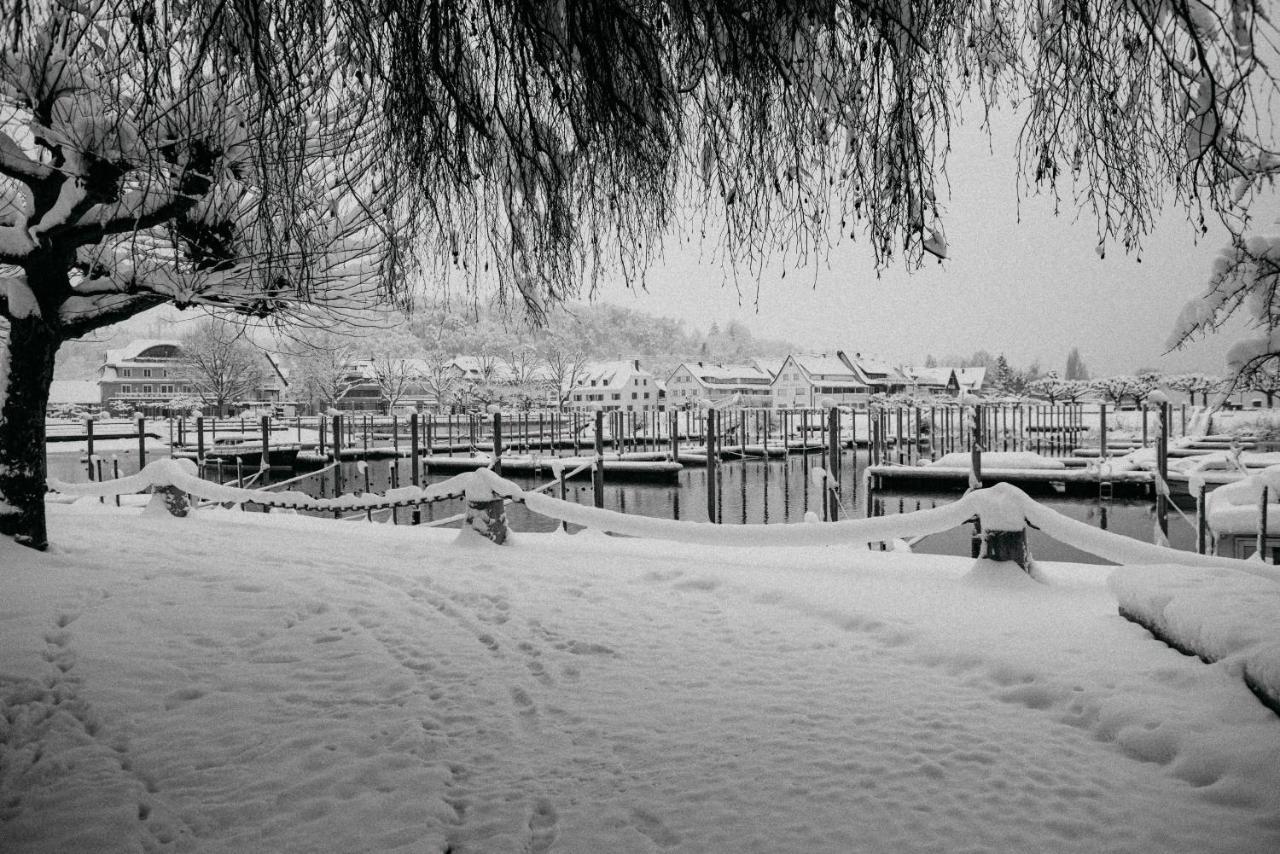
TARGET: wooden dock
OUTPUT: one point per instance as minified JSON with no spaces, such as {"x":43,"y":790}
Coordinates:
{"x":630,"y":470}
{"x":1065,"y":480}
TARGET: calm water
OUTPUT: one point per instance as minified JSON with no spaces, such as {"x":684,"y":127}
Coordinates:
{"x":776,"y":491}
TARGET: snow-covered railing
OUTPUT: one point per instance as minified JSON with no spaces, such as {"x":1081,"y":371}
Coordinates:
{"x":181,"y":474}
{"x":1000,"y":508}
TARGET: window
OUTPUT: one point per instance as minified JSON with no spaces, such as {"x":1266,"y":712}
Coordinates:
{"x":166,"y":389}
{"x":126,"y":372}
{"x":617,"y":395}
{"x":577,"y":397}
{"x":646,"y":395}
{"x":126,"y":389}
{"x":146,"y":389}
{"x":633,"y":395}
{"x":146,"y":372}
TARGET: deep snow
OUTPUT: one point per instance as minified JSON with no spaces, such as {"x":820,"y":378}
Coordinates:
{"x":245,"y":682}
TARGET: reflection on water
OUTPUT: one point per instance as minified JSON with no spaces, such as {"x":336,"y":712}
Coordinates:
{"x":776,"y":491}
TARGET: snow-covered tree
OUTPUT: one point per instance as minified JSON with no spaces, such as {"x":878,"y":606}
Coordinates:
{"x":1051,"y":387}
{"x":1116,"y":389}
{"x":139,"y":165}
{"x":222,"y":366}
{"x":1076,"y":369}
{"x":1264,"y":377}
{"x":1002,"y":375}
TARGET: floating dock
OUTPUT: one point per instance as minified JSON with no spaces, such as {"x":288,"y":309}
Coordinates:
{"x":615,"y":469}
{"x":1064,"y":480}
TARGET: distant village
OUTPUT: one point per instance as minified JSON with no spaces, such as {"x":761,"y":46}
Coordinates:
{"x":155,"y":377}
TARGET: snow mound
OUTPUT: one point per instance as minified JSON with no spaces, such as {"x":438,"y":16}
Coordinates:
{"x":1216,"y":614}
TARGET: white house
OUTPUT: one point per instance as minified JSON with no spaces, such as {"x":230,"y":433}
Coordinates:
{"x":880,"y":375}
{"x":945,"y":380}
{"x":616,"y":386}
{"x":804,"y":380}
{"x":148,"y":373}
{"x":692,"y":381}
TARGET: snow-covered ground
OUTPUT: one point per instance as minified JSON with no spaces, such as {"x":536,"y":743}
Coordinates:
{"x":271,"y":683}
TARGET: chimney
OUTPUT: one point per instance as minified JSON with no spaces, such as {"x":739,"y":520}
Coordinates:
{"x":636,"y":364}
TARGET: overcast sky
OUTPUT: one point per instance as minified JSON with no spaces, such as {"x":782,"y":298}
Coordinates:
{"x":1031,"y":289}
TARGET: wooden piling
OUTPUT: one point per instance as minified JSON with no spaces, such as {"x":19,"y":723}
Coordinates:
{"x":497,"y":443}
{"x":88,"y":432}
{"x":142,"y":442}
{"x":713,"y":458}
{"x":597,"y":471}
{"x":337,"y":457}
{"x":1162,"y":464}
{"x":1202,"y":526}
{"x":833,"y":466}
{"x":1262,"y":526}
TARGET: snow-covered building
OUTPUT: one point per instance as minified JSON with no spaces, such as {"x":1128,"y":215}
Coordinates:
{"x":617,"y":386}
{"x":882,"y":377}
{"x":694,"y":381}
{"x":945,"y":380}
{"x":805,"y":380}
{"x":147,"y":373}
{"x":482,"y":370}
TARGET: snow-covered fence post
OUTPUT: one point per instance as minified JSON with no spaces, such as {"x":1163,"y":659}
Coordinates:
{"x":88,"y":435}
{"x":177,"y":502}
{"x":497,"y":443}
{"x":1201,"y":522}
{"x":337,"y":457}
{"x":1003,"y":530}
{"x":486,"y":511}
{"x":142,"y":442}
{"x":833,"y":440}
{"x":1160,"y":402}
{"x":713,"y":457}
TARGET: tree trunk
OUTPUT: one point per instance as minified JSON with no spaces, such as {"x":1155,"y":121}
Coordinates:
{"x":24,"y":395}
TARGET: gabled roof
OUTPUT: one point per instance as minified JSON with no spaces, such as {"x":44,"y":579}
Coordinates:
{"x":472,"y":368}
{"x":828,"y":367}
{"x":135,"y":348}
{"x":879,"y":371}
{"x":714,"y":374}
{"x":971,"y":378}
{"x":937,"y":377}
{"x":612,"y":375}
{"x":770,"y":366}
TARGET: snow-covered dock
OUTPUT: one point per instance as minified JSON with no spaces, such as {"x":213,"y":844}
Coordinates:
{"x":1023,"y":469}
{"x":615,"y":468}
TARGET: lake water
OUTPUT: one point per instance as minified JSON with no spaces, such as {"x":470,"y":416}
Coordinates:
{"x":777,"y":491}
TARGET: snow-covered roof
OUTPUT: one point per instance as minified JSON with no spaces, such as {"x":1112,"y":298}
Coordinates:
{"x":473,"y":368}
{"x":878,"y":371}
{"x":971,"y":378}
{"x":770,"y":366}
{"x":714,"y":374}
{"x":74,"y":391}
{"x":822,"y":365}
{"x":610,"y":374}
{"x":935,"y":376}
{"x":137,"y":347}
